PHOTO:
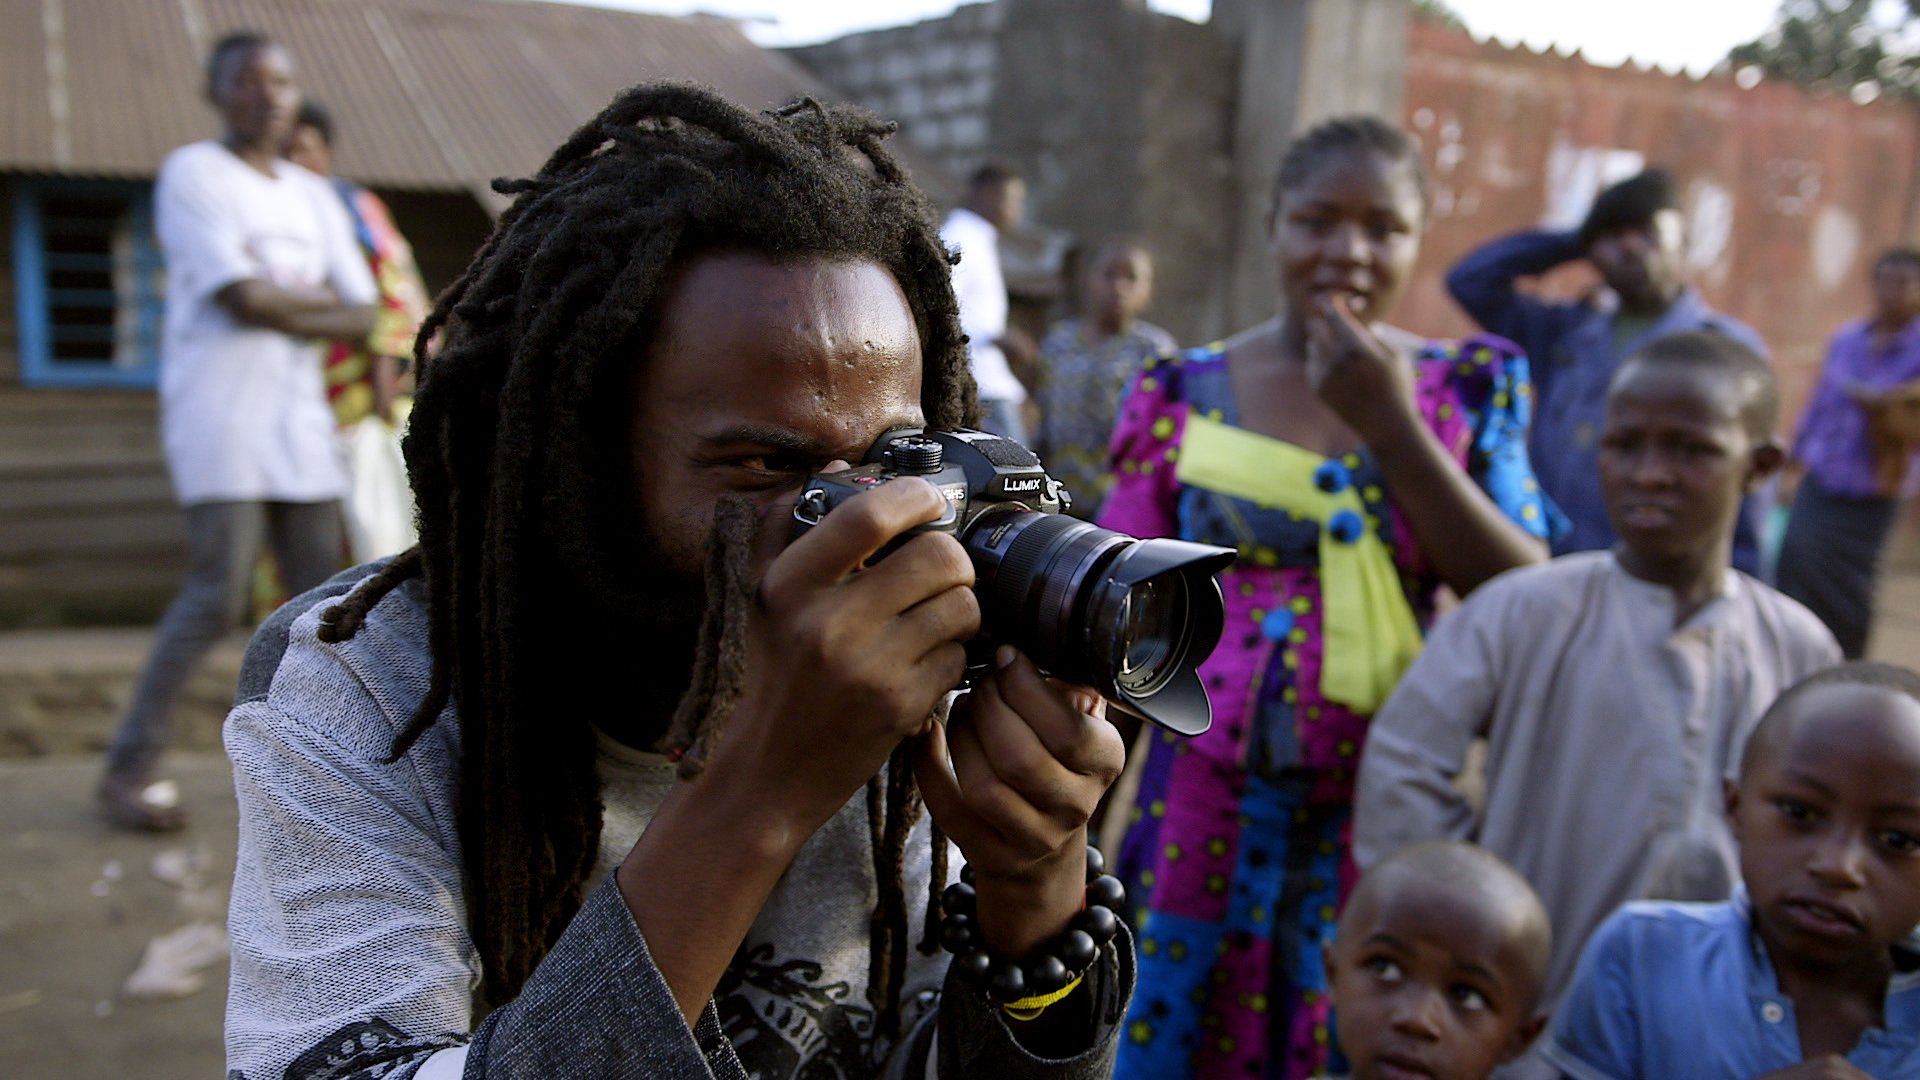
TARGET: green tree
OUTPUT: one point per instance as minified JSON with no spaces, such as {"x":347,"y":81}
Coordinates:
{"x":1852,"y":46}
{"x":1441,"y":12}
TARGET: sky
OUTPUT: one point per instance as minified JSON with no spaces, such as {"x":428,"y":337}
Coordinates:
{"x":1690,"y":34}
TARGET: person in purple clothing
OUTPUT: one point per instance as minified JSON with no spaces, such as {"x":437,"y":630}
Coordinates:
{"x":1634,"y":235}
{"x":1851,"y":458}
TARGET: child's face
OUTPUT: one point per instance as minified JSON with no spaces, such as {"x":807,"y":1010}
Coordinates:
{"x":1120,"y":285}
{"x":1828,"y":820}
{"x":1426,"y":984}
{"x":1675,"y":460}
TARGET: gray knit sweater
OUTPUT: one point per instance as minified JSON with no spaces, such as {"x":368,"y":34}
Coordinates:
{"x":351,"y":958}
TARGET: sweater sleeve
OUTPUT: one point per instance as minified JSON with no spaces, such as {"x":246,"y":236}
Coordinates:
{"x":1418,"y":742}
{"x":351,"y":958}
{"x":975,"y":1039}
{"x":1484,"y":284}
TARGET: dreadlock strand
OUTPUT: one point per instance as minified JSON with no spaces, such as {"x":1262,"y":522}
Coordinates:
{"x":936,"y":891}
{"x":721,"y":657}
{"x":341,"y":621}
{"x":877,"y":945}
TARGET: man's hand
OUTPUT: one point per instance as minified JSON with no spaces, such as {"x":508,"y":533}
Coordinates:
{"x":842,"y":664}
{"x":1824,"y":1067}
{"x":845,"y":662}
{"x":1013,"y":777}
{"x":1360,"y":377}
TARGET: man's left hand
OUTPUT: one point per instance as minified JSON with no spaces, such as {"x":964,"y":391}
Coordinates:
{"x":1013,"y":776}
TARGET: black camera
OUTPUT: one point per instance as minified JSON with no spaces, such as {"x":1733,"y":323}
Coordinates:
{"x":1131,"y":618}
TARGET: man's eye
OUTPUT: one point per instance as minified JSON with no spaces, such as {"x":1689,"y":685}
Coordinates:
{"x":775,"y":463}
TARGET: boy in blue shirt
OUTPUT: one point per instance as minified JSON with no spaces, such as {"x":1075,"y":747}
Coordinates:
{"x":1439,"y":964}
{"x":1813,"y":969}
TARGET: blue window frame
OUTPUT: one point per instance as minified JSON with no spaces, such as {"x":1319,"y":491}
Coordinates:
{"x":89,"y":283}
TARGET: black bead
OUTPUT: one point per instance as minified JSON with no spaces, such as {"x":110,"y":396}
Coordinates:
{"x":966,"y":873}
{"x":1106,"y":891}
{"x":1098,"y":923}
{"x":1096,"y":863}
{"x":1076,"y":950}
{"x":1045,"y":974}
{"x":1008,"y":982}
{"x":956,"y":933}
{"x":973,"y":966}
{"x":958,"y":898}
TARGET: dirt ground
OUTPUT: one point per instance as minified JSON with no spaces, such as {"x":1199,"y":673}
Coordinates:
{"x":79,"y":902}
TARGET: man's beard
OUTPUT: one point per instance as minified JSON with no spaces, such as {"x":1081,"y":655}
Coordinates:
{"x":634,"y":645}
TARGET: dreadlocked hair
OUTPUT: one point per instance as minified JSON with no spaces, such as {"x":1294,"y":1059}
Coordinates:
{"x":516,"y":452}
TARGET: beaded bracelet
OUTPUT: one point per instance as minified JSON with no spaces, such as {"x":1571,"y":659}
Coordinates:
{"x":1052,"y":972}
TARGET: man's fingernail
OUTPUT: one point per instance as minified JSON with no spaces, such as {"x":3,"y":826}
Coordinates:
{"x":1003,"y":656}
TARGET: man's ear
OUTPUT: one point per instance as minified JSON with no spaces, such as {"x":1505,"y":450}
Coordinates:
{"x":1524,"y":1036}
{"x":1326,"y":959}
{"x":1730,"y":796}
{"x":1763,"y":461}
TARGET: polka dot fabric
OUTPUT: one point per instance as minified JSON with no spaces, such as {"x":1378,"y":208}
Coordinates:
{"x":1237,"y":849}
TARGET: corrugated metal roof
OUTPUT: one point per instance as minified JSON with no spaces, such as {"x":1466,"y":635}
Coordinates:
{"x":436,"y":95}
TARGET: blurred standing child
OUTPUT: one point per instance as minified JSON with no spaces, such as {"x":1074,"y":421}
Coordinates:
{"x":367,"y":382}
{"x":1614,"y":688}
{"x":1085,"y":363}
{"x":1809,"y":971}
{"x":1438,"y":966}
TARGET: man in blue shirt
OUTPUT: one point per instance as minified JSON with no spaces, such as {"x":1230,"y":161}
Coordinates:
{"x":1633,"y":236}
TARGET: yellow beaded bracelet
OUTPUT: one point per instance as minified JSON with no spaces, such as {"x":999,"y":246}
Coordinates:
{"x":1029,"y":1007}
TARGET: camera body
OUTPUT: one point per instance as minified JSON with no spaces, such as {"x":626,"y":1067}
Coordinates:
{"x":975,"y":470}
{"x":1131,"y":618}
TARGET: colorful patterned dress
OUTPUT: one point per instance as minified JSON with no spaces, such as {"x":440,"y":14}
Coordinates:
{"x":1237,"y":848}
{"x":403,"y":305}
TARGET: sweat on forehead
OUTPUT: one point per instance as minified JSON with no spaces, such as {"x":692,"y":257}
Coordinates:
{"x":1735,"y":367}
{"x":1784,"y":716}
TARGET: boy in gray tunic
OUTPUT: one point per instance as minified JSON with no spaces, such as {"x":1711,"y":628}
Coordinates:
{"x":606,"y":778}
{"x":1615,"y":689}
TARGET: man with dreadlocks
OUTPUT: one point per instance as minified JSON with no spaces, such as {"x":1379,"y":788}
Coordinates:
{"x":605,"y":778}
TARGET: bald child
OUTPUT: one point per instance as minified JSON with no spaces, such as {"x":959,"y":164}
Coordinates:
{"x":1438,"y":965}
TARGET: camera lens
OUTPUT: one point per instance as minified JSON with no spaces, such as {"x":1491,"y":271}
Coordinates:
{"x":1155,"y":617}
{"x":1131,"y":618}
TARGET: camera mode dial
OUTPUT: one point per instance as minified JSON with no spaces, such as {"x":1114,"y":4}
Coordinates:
{"x":915,"y":455}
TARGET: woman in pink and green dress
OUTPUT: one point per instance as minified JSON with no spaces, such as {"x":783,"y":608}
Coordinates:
{"x":1357,"y":469}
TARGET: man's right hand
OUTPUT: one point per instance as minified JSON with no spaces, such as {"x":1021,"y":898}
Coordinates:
{"x":843,"y":663}
{"x":844,"y":660}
